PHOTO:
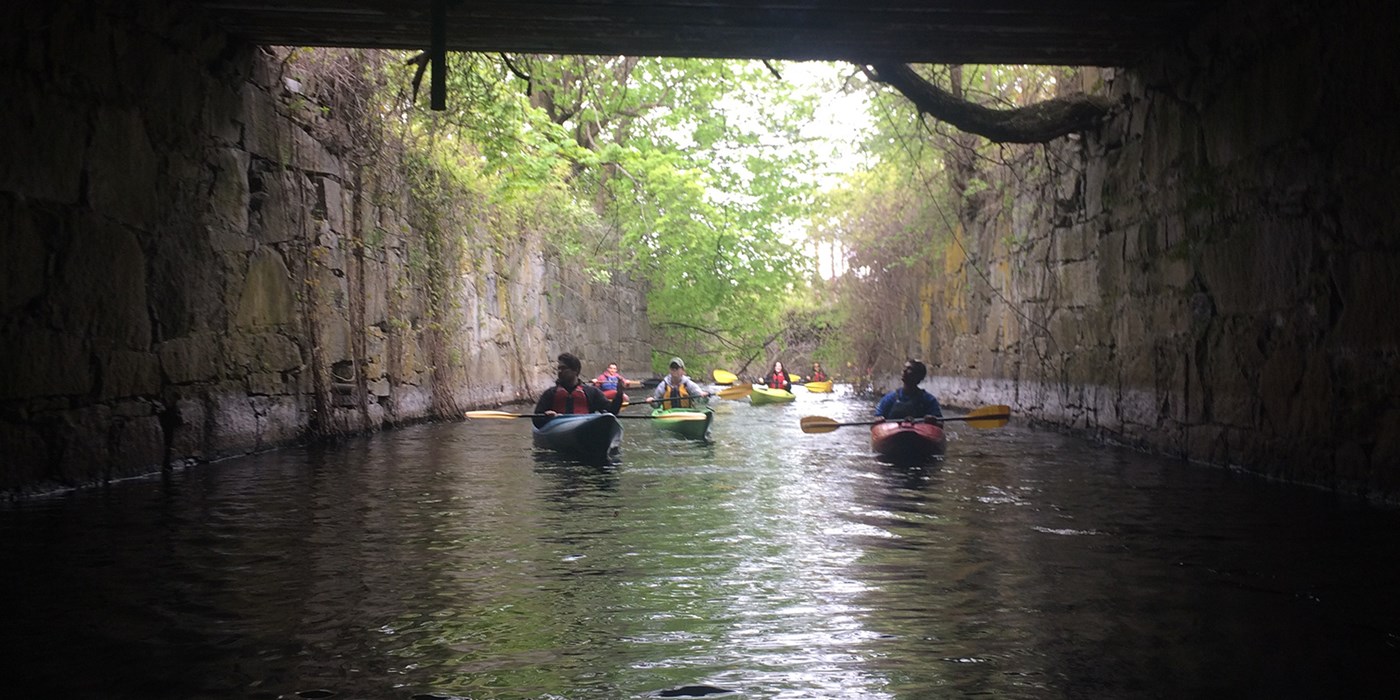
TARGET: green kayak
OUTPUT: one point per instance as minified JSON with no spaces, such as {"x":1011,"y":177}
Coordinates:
{"x":762,"y":395}
{"x":693,"y":429}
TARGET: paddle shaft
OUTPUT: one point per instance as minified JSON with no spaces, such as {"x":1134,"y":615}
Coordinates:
{"x":502,"y":415}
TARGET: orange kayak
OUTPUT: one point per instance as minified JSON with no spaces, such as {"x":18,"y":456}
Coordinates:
{"x":905,"y":442}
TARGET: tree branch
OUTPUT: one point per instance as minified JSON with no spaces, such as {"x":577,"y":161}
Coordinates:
{"x":1037,"y":123}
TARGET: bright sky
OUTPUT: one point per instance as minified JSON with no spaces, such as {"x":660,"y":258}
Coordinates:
{"x":841,"y":119}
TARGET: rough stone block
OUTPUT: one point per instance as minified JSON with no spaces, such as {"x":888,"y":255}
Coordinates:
{"x":279,"y":200}
{"x":189,"y":436}
{"x":84,"y":453}
{"x":123,"y":168}
{"x":268,"y":297}
{"x":45,"y":363}
{"x":24,"y":456}
{"x":40,"y":126}
{"x":229,"y":201}
{"x":138,"y":446}
{"x":264,"y":352}
{"x":102,"y":286}
{"x":195,"y":358}
{"x":232,"y":424}
{"x":279,"y":420}
{"x":22,"y":267}
{"x":126,"y":373}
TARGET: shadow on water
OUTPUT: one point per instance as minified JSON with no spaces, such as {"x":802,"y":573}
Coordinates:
{"x":456,"y":560}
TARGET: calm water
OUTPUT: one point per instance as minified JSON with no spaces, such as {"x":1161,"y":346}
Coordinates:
{"x":453,"y":561}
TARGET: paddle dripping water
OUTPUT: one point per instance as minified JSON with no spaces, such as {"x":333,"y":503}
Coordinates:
{"x":456,"y":560}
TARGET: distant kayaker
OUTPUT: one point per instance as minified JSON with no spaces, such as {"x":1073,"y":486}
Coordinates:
{"x":909,"y":401}
{"x":611,"y":381}
{"x":569,"y":395}
{"x":778,"y":377}
{"x":676,"y":386}
{"x":817,"y":374}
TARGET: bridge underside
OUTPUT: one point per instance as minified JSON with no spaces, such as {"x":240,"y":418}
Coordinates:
{"x":1068,"y":32}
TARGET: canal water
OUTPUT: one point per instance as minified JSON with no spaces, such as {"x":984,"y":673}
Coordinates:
{"x":455,"y":561}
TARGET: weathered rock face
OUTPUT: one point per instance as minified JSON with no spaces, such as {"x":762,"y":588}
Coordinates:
{"x":1211,"y":275}
{"x":194,"y":268}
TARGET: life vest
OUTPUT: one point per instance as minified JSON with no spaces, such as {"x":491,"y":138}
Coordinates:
{"x":819,"y":376}
{"x":675,"y":392}
{"x":777,"y":380}
{"x":914,"y":406}
{"x":608,"y":383}
{"x":566,"y":401}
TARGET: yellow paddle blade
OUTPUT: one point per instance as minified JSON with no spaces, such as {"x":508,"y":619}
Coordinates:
{"x":794,"y":377}
{"x":724,"y":377}
{"x":498,"y":415}
{"x":818,"y":424}
{"x":987,"y":416}
{"x":736,"y":392}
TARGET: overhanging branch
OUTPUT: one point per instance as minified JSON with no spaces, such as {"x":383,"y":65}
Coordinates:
{"x":1037,"y":123}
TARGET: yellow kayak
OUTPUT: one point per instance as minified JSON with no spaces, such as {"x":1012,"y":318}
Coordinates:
{"x":819,"y":387}
{"x":723,"y":377}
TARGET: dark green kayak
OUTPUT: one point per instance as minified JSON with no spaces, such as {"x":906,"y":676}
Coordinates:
{"x":693,"y":429}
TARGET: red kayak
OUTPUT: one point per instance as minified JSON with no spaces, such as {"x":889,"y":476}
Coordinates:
{"x":905,"y":442}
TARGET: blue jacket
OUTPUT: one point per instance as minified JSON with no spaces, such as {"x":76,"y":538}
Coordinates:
{"x":897,"y":405}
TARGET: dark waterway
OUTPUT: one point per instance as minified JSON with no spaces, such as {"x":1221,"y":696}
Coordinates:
{"x":453,"y":560}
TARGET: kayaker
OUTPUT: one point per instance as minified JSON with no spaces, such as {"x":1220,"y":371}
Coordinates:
{"x":778,"y":377}
{"x":909,"y":401}
{"x":569,"y":395}
{"x":611,"y":380}
{"x":677,"y":386}
{"x":817,"y":374}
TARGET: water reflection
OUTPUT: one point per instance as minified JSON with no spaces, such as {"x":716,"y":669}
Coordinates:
{"x":455,"y":560}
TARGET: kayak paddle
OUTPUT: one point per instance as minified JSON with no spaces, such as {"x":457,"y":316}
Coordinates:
{"x":504,"y":415}
{"x":733,"y":392}
{"x":984,"y":417}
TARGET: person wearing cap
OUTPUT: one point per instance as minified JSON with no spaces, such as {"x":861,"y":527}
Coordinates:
{"x":569,"y":395}
{"x":676,"y":386}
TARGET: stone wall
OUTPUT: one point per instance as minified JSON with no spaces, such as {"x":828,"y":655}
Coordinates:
{"x":1213,"y":273}
{"x":198,"y":264}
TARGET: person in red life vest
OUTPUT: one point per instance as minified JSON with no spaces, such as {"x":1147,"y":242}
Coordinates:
{"x":611,"y":381}
{"x":677,"y":386}
{"x":817,"y":374}
{"x":778,"y":378}
{"x":569,"y":395}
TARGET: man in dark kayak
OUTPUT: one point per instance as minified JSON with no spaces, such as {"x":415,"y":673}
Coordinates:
{"x":909,"y":401}
{"x":569,"y":395}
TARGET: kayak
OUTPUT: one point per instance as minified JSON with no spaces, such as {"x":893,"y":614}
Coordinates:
{"x":723,"y":378}
{"x":762,"y":395}
{"x":908,"y":443}
{"x":610,"y":394}
{"x":819,"y":387}
{"x":587,"y":437}
{"x":693,"y":429}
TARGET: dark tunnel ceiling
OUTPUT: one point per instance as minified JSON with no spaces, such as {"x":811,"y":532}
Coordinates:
{"x":1064,"y":32}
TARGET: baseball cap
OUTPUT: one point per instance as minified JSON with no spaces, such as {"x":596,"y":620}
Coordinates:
{"x":676,"y":362}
